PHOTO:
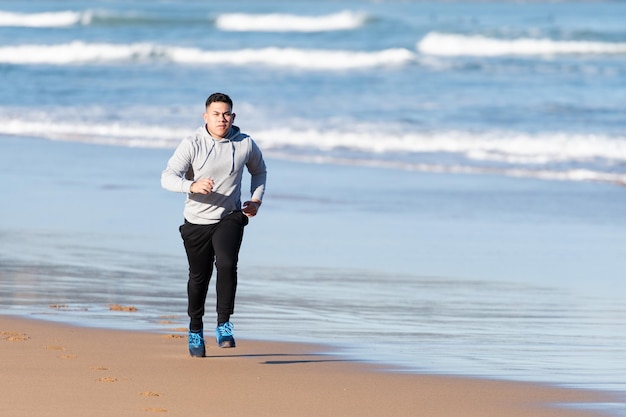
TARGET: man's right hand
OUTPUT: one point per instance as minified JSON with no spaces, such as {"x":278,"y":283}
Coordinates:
{"x":202,"y":186}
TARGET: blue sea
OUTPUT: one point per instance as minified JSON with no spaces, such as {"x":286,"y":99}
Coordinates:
{"x":447,"y":180}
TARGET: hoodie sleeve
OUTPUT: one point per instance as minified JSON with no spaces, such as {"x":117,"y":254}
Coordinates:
{"x":258,"y":172}
{"x":175,"y":176}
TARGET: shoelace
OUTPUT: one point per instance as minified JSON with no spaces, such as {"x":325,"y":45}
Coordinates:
{"x":226,"y":329}
{"x":195,"y":338}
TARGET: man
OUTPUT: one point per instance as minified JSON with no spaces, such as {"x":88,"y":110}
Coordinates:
{"x":208,"y":166}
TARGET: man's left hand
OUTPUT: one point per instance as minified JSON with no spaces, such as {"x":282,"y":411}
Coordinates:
{"x":250,"y":208}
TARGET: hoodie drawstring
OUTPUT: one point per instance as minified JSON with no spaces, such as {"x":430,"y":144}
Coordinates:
{"x":232,"y":155}
{"x":208,"y":154}
{"x":232,"y":166}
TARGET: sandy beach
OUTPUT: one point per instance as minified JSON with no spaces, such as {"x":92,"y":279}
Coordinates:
{"x":52,"y":369}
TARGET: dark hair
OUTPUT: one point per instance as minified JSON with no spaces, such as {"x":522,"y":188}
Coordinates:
{"x":218,"y":98}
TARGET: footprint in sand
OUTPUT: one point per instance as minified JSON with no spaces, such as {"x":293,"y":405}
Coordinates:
{"x":107,"y":379}
{"x":68,"y":357}
{"x":150,"y":394}
{"x":118,"y":307}
{"x":15,"y":336}
{"x":173,"y":336}
{"x":152,"y":409}
{"x":54,"y":347}
{"x":65,"y":307}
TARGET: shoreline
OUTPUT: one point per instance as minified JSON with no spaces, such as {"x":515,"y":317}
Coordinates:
{"x":57,"y":369}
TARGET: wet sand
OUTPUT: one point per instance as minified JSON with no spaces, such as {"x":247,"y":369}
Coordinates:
{"x":52,"y":369}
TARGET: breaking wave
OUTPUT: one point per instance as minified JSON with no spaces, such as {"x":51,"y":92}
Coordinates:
{"x":236,"y":22}
{"x":444,"y":44}
{"x":241,"y":22}
{"x":547,"y":155}
{"x":76,"y":53}
{"x":45,"y":20}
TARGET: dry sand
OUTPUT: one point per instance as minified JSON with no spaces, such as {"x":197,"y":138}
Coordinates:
{"x":57,"y":370}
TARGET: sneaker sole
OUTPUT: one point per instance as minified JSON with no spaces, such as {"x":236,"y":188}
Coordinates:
{"x":197,"y":354}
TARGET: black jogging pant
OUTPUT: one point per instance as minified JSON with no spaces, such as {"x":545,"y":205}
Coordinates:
{"x":205,"y":245}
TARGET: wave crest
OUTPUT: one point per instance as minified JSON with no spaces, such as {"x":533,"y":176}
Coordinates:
{"x":443,"y":44}
{"x":317,"y":59}
{"x":549,"y":155}
{"x":241,"y":22}
{"x":45,"y":20}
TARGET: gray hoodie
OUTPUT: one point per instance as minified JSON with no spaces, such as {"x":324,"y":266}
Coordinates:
{"x":201,"y":156}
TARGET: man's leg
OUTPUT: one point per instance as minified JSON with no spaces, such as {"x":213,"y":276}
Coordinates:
{"x":200,"y":255}
{"x":227,"y":242}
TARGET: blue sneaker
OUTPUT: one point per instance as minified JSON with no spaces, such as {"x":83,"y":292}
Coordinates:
{"x":196,"y":344}
{"x":224,"y":334}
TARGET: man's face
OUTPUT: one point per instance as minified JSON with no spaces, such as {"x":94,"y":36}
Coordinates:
{"x":219,"y":119}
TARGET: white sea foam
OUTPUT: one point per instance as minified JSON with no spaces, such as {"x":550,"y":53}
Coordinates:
{"x":75,"y":53}
{"x":275,"y":22}
{"x":558,"y":155}
{"x":506,"y":147}
{"x":49,"y":19}
{"x":314,"y":59}
{"x":514,"y":154}
{"x":444,"y":44}
{"x":317,"y":59}
{"x":501,"y":146}
{"x":132,"y":135}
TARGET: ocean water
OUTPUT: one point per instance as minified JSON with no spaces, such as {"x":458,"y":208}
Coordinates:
{"x":446,"y":180}
{"x":526,"y":89}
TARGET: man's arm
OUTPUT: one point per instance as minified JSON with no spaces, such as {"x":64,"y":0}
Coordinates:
{"x":258,"y":171}
{"x":174,"y":177}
